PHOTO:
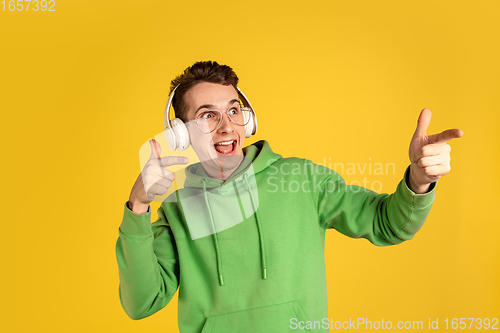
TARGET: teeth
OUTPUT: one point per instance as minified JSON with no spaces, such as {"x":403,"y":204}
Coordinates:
{"x":225,"y":143}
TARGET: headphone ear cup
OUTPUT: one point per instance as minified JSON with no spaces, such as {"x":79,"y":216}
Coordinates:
{"x":170,"y":138}
{"x":181,"y":134}
{"x":251,"y":126}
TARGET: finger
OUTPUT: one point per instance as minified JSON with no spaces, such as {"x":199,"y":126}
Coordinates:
{"x":173,"y":160}
{"x":162,"y":184}
{"x":428,"y":161}
{"x":423,"y":123}
{"x":446,"y":136}
{"x":437,"y":170}
{"x":431,"y":150}
{"x":162,"y":174}
{"x":155,"y":173}
{"x":155,"y":149}
{"x":159,"y":188}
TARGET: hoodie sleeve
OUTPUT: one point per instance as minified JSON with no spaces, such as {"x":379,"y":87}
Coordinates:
{"x":381,"y":218}
{"x":147,"y":263}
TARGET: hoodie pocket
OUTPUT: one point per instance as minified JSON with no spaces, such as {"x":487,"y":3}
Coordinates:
{"x":276,"y":318}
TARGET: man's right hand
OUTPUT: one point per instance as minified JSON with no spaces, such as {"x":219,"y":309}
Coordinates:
{"x":154,"y":179}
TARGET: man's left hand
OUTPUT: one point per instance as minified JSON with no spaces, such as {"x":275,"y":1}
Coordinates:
{"x":429,"y":154}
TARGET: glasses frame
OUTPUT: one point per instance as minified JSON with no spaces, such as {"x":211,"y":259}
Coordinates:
{"x":242,"y":109}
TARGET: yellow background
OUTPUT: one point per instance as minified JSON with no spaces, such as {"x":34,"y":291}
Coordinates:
{"x":82,"y":88}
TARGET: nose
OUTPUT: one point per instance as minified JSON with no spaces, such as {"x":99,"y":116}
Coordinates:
{"x":226,"y":125}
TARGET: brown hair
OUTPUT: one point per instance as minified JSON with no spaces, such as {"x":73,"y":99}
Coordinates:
{"x":202,"y":71}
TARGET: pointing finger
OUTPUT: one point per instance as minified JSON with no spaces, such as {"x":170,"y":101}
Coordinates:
{"x":446,"y":136}
{"x":173,"y":160}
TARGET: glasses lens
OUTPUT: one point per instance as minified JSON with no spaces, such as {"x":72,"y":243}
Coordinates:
{"x":239,"y":117}
{"x":208,"y":121}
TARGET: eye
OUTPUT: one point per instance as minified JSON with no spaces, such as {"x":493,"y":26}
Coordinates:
{"x":234,"y":111}
{"x":207,"y":115}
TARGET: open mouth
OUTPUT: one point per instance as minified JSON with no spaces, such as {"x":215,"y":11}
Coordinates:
{"x":225,"y":147}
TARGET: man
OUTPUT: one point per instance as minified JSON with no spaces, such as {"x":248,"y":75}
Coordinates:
{"x":246,"y":256}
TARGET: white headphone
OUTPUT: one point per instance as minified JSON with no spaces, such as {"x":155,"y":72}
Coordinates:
{"x":176,"y":132}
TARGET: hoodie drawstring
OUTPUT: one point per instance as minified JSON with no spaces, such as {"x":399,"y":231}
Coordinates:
{"x":216,"y":241}
{"x":259,"y":227}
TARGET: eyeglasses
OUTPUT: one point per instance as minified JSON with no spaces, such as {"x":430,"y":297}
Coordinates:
{"x":208,"y":121}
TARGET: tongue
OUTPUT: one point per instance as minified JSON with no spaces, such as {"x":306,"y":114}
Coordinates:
{"x":224,"y":149}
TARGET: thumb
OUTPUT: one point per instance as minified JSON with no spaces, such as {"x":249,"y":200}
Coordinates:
{"x":423,"y":123}
{"x":155,"y":149}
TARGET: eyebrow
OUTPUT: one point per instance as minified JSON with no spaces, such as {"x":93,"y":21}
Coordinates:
{"x":212,"y":107}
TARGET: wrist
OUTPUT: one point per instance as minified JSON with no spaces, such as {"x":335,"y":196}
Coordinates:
{"x":415,"y":185}
{"x":137,"y":206}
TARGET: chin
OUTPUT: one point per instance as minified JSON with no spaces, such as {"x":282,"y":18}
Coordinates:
{"x":229,"y":161}
{"x":225,"y":162}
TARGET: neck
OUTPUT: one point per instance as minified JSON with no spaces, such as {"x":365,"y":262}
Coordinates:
{"x":220,"y":169}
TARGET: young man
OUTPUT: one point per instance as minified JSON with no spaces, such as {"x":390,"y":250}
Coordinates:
{"x":246,"y":256}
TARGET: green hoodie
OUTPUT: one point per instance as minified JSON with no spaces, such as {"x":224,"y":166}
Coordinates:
{"x":259,"y":267}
